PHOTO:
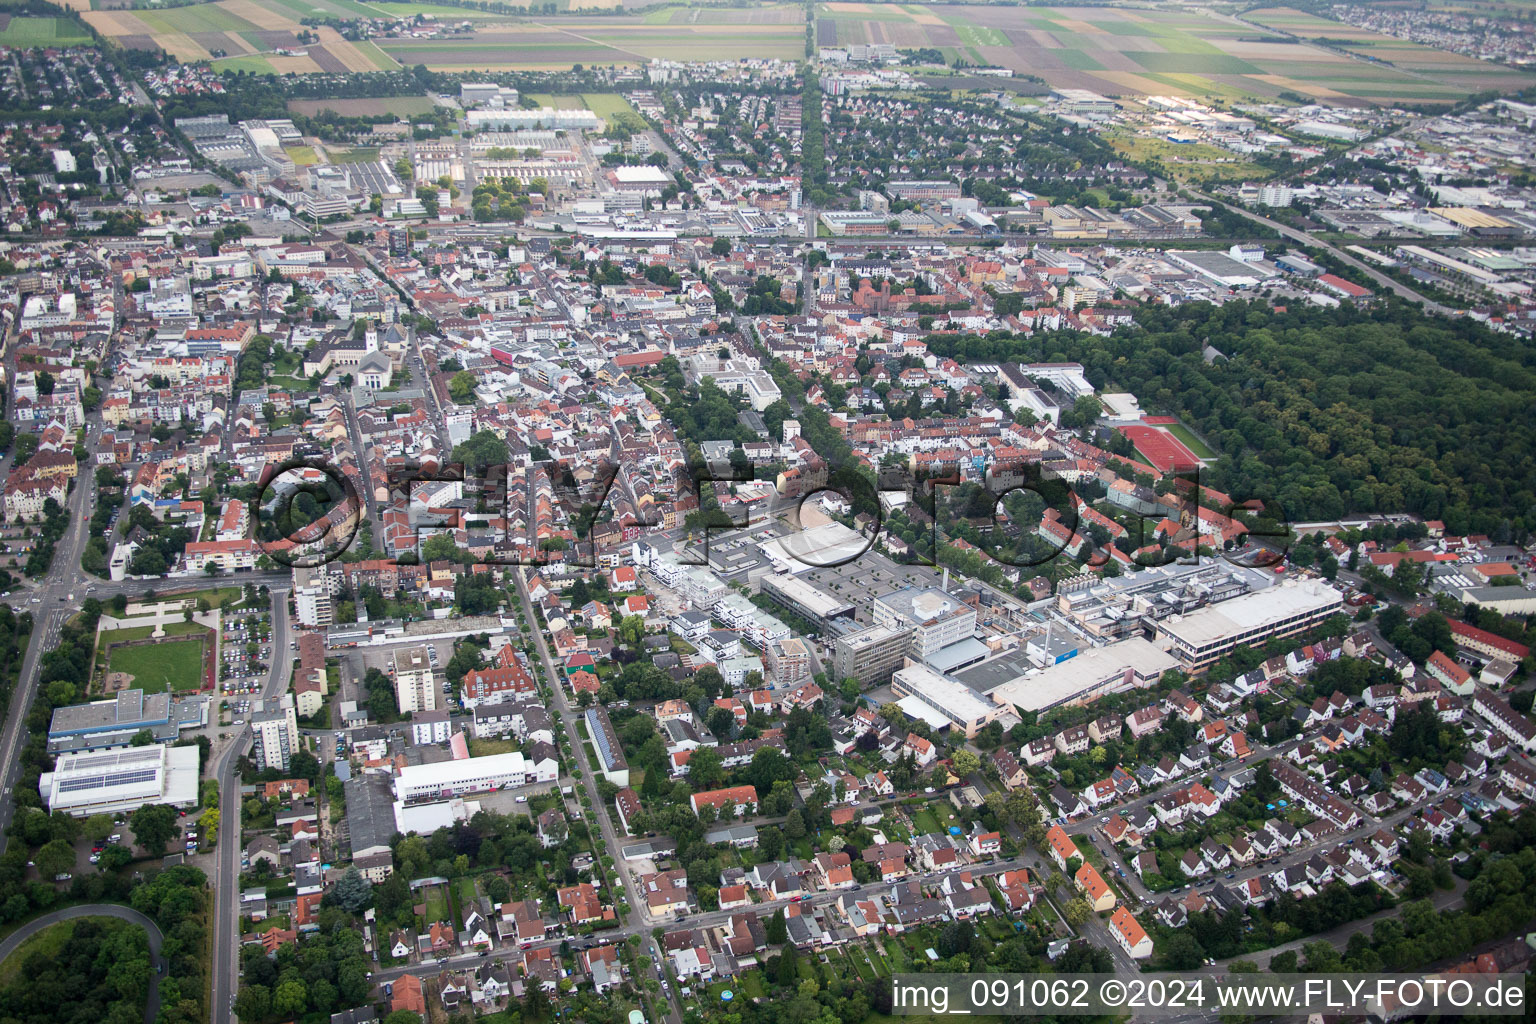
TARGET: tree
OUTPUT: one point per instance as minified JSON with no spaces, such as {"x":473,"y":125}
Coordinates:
{"x":1183,"y":951}
{"x":720,"y":721}
{"x":353,"y":892}
{"x":153,"y":826}
{"x":97,"y":827}
{"x":964,"y":763}
{"x":1077,"y":912}
{"x":778,"y":928}
{"x":705,"y":768}
{"x":461,"y":387}
{"x":290,"y":997}
{"x":794,"y":825}
{"x":770,"y":841}
{"x":721,"y":247}
{"x":632,"y":630}
{"x":255,"y":1001}
{"x":56,"y":857}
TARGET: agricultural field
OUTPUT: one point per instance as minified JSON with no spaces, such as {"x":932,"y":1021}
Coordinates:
{"x":557,"y":43}
{"x":245,"y":32}
{"x":778,"y":14}
{"x":441,"y":12}
{"x":1129,"y":52}
{"x":27,"y":32}
{"x":1427,"y":64}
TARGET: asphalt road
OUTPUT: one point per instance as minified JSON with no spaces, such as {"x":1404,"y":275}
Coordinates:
{"x":226,"y":881}
{"x":37,"y":924}
{"x":1306,"y":238}
{"x":53,"y":593}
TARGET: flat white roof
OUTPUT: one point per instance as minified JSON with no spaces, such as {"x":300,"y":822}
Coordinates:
{"x":128,"y":776}
{"x":1099,"y":668}
{"x":642,"y":175}
{"x":1251,"y":611}
{"x":828,"y":544}
{"x":957,"y":700}
{"x":812,"y":598}
{"x":448,"y":773}
{"x":916,"y":707}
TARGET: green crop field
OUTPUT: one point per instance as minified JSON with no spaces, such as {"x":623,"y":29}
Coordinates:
{"x":196,"y":18}
{"x":171,"y":665}
{"x":26,"y":32}
{"x":301,"y":9}
{"x":441,"y":12}
{"x":254,"y":63}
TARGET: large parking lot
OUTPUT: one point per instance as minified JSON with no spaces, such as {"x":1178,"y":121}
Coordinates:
{"x":241,"y":673}
{"x":439,"y":651}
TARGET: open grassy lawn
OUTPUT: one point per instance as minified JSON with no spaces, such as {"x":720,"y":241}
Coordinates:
{"x":355,"y":155}
{"x":172,"y":665}
{"x":485,"y":748}
{"x":366,"y":106}
{"x":436,"y":899}
{"x":924,"y":821}
{"x":1190,"y":441}
{"x":610,"y":106}
{"x":140,"y":632}
{"x":25,"y":32}
{"x":303,"y":156}
{"x":215,"y":596}
{"x":563,"y":102}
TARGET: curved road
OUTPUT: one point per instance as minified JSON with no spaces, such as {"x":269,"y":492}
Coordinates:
{"x":32,"y":927}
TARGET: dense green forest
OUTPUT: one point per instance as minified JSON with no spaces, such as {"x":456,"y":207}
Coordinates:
{"x":1327,"y":411}
{"x":99,"y":975}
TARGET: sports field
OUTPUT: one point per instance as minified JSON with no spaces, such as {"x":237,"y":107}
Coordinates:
{"x":1160,"y":449}
{"x":170,"y":664}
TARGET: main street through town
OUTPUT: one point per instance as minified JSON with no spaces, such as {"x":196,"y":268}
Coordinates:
{"x":225,"y":757}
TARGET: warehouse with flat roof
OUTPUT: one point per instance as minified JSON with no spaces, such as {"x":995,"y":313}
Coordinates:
{"x":120,"y":781}
{"x":1203,"y":637}
{"x":806,"y":599}
{"x":1118,"y":666}
{"x":109,"y":723}
{"x":941,"y":701}
{"x":444,"y":779}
